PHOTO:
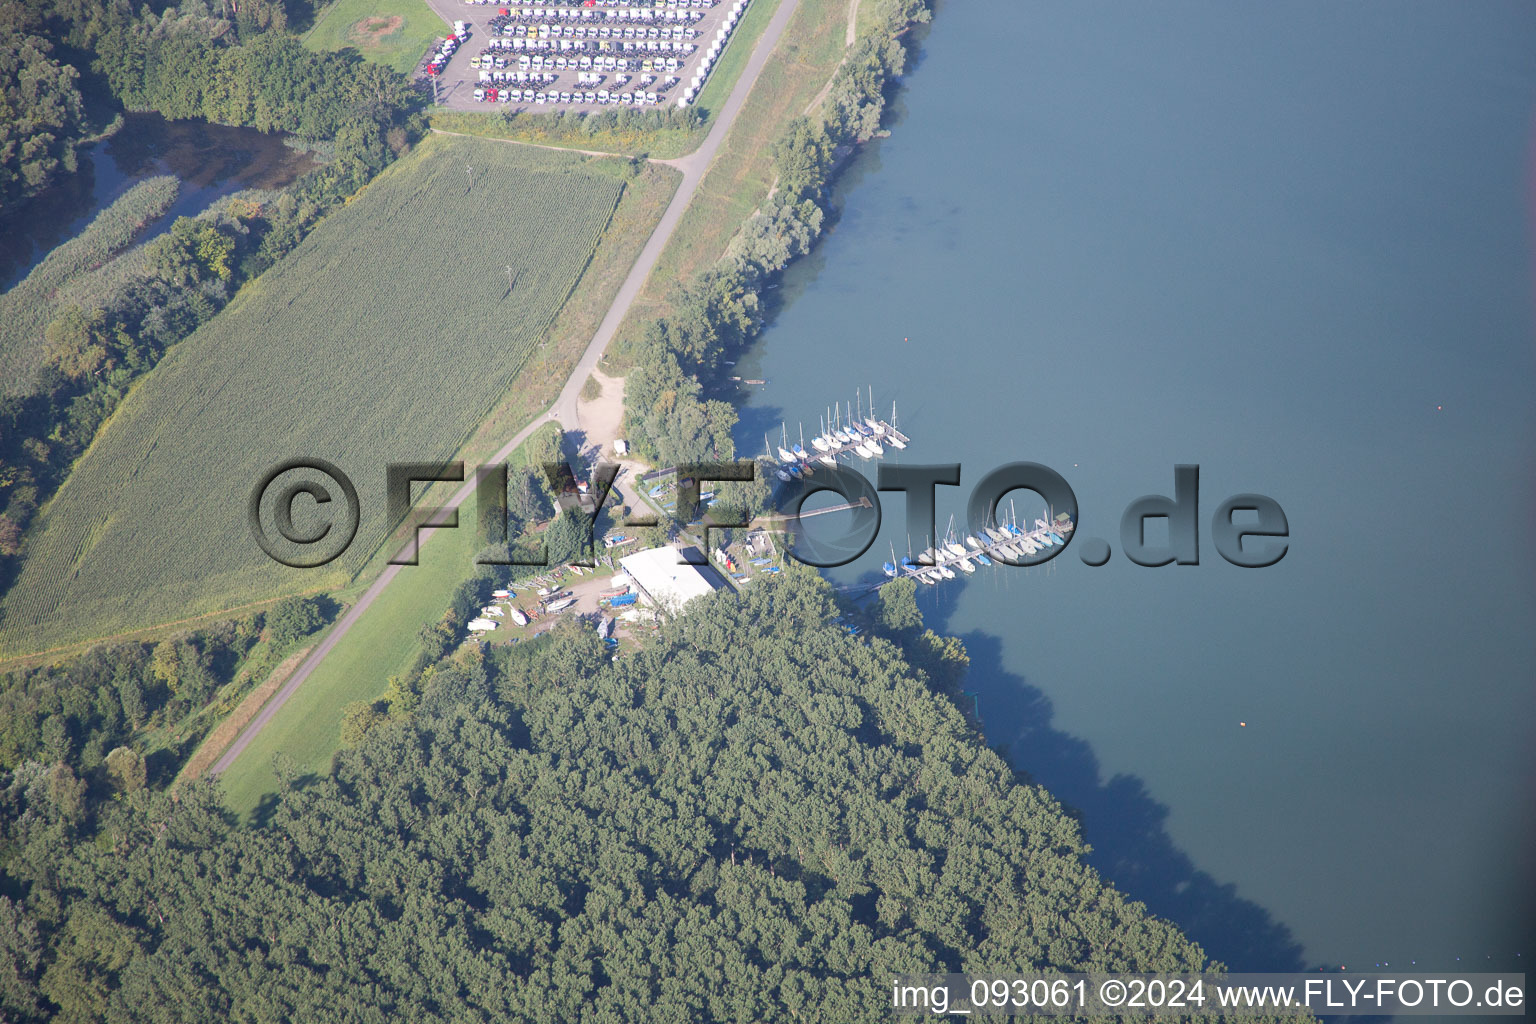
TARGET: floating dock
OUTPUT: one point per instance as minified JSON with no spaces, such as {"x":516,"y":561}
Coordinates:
{"x":1005,"y":541}
{"x":867,"y":440}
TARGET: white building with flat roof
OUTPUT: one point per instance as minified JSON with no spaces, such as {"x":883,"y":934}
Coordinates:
{"x":664,"y":580}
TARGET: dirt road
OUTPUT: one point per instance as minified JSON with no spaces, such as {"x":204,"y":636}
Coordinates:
{"x":566,"y":408}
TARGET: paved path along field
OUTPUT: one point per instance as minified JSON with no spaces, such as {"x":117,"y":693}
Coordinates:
{"x":563,"y":411}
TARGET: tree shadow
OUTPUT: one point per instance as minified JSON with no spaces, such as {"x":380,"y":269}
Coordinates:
{"x":1123,"y":822}
{"x":162,"y":764}
{"x":328,"y":607}
{"x":261,"y":815}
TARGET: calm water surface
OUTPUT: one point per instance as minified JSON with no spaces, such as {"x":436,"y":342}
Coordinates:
{"x":1291,"y":243}
{"x":212,"y":161}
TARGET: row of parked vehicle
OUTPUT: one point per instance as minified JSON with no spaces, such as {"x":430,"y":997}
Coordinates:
{"x":600,"y":9}
{"x":435,"y":62}
{"x":610,"y":64}
{"x":535,"y":79}
{"x":672,"y":47}
{"x":497,"y":94}
{"x":583,"y":78}
{"x":680,"y":32}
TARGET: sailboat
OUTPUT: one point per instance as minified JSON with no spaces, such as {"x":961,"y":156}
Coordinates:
{"x":819,"y":442}
{"x":890,"y":437}
{"x":785,"y":455}
{"x":874,"y":424}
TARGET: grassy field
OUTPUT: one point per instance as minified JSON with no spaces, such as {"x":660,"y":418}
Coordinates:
{"x":383,"y":643}
{"x":742,"y":173}
{"x":734,"y":57}
{"x":395,"y":33}
{"x":387,"y":336}
{"x":567,"y":133}
{"x":33,"y":302}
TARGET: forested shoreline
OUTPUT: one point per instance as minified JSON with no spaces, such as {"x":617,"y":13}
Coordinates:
{"x":753,"y":818}
{"x":678,"y":356}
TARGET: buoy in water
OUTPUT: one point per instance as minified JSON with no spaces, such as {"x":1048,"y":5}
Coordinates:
{"x":1243,"y":724}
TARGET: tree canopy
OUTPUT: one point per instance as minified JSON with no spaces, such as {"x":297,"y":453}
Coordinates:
{"x":42,"y":116}
{"x":756,"y":817}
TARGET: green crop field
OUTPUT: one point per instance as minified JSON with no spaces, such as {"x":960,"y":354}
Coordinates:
{"x":384,"y":337}
{"x":395,"y":33}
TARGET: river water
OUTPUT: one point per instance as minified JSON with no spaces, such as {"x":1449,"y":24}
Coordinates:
{"x":212,"y":161}
{"x":1291,"y":244}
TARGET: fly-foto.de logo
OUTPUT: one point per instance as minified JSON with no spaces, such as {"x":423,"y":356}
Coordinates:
{"x":305,"y":513}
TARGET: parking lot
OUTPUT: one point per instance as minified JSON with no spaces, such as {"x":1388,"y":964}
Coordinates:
{"x":581,"y":56}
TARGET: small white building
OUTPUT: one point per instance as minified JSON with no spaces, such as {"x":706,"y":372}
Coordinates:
{"x":664,"y":580}
{"x":621,"y":447}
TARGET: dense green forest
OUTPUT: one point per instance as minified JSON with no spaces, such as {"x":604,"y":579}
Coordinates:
{"x":759,"y":816}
